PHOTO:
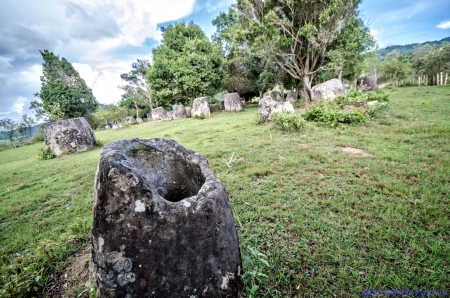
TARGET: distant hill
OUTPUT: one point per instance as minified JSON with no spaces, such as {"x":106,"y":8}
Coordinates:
{"x":407,"y":50}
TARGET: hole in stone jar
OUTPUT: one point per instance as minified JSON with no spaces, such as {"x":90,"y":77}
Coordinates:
{"x":167,"y":171}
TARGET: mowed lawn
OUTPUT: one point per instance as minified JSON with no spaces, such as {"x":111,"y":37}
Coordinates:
{"x":331,"y":223}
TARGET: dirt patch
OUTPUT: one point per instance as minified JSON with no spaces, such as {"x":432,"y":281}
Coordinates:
{"x":72,"y":280}
{"x":302,"y":146}
{"x":355,"y":151}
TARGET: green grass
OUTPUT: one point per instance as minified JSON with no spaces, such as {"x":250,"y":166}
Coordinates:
{"x":330,"y":224}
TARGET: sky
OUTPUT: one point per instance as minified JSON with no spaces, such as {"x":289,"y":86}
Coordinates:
{"x":102,"y":38}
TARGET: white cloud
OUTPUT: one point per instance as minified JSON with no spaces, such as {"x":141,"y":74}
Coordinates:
{"x":444,"y":25}
{"x":376,"y":32}
{"x":19,"y":105}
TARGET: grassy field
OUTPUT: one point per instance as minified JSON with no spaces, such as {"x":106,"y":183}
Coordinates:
{"x":330,"y":223}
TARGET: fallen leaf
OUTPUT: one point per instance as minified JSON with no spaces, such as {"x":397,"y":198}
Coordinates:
{"x":362,"y":272}
{"x":429,"y":270}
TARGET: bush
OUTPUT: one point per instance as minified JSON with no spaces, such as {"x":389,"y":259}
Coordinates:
{"x":288,"y":121}
{"x":45,"y":154}
{"x":258,"y":119}
{"x":332,"y":114}
{"x":200,"y":117}
{"x":377,"y":109}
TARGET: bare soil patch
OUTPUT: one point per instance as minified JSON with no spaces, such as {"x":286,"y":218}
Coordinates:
{"x":355,"y":151}
{"x":71,"y":280}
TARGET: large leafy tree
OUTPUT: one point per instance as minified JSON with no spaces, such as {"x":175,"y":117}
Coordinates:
{"x":186,"y":65}
{"x":346,"y":52}
{"x":297,"y":33}
{"x":137,"y":89}
{"x":64,"y":94}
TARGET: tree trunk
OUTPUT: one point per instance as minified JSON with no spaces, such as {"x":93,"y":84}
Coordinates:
{"x":281,"y":90}
{"x":12,"y":144}
{"x":297,"y":89}
{"x":307,"y":88}
{"x":137,"y":110}
{"x":340,"y":75}
{"x":446,"y":78}
{"x":260,"y":94}
{"x":442,"y":78}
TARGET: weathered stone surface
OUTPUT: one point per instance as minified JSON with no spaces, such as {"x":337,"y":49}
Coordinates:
{"x":149,"y":117}
{"x":201,"y":106}
{"x":168,"y":116}
{"x":328,"y":90}
{"x":129,"y":120}
{"x":188,"y":112}
{"x":347,"y":86}
{"x":367,"y":84}
{"x":214,"y":107}
{"x":289,"y":95}
{"x":139,"y":120}
{"x":179,"y":112}
{"x":69,"y":136}
{"x":233,"y":103}
{"x":267,"y":106}
{"x":276,"y":95}
{"x":163,"y":225}
{"x":158,"y":113}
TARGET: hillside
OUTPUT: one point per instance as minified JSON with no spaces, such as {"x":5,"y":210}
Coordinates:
{"x":407,"y":50}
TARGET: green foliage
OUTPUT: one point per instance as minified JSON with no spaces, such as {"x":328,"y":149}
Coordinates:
{"x":288,"y":121}
{"x":64,"y":94}
{"x":255,"y":264}
{"x":258,"y":120}
{"x":8,"y":129}
{"x":186,"y":65}
{"x":377,"y":109}
{"x":396,"y":67}
{"x":39,"y":134}
{"x":199,"y":117}
{"x":331,"y":114}
{"x":45,"y":154}
{"x":26,"y":126}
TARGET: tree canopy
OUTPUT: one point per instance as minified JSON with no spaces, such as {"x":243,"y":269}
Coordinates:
{"x":297,"y":33}
{"x":186,"y":65}
{"x":64,"y":94}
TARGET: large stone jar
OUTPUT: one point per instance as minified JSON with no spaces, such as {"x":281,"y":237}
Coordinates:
{"x":69,"y":136}
{"x":163,"y":225}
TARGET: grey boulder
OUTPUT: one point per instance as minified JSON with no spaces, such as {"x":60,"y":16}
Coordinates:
{"x":367,"y":84}
{"x":200,"y":107}
{"x":69,"y":136}
{"x":328,"y":90}
{"x":158,"y":113}
{"x":267,"y":106}
{"x":232,"y":102}
{"x":179,"y":112}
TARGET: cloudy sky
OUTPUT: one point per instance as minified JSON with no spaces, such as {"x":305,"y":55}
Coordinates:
{"x":101,"y":38}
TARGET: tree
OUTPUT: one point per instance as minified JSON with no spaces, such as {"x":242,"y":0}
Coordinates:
{"x":396,"y":67}
{"x":297,"y":33}
{"x":346,"y":51}
{"x":137,"y":89}
{"x":185,"y":66}
{"x":64,"y":94}
{"x":26,"y":125}
{"x":8,"y":129}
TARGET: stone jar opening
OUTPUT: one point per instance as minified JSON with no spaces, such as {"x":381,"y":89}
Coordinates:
{"x":168,"y":172}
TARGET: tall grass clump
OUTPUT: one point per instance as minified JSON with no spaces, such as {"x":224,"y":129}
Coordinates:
{"x":288,"y":121}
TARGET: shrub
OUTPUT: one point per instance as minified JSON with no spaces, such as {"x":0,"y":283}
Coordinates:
{"x":288,"y":121}
{"x":258,"y":119}
{"x":45,"y":154}
{"x":200,"y":117}
{"x":377,"y":109}
{"x":38,"y":136}
{"x":332,"y":114}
